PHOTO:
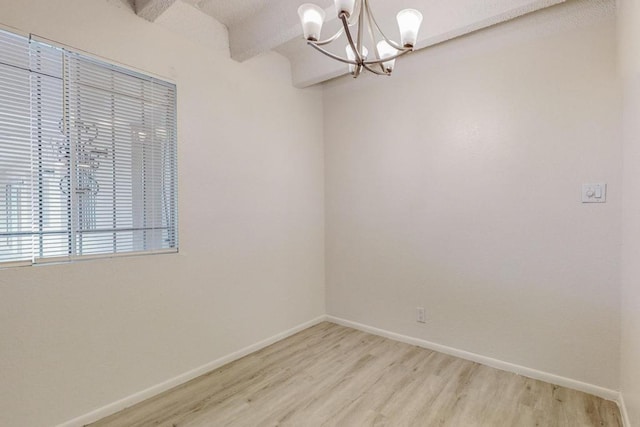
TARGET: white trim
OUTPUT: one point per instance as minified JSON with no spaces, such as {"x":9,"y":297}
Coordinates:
{"x":126,"y":402}
{"x":138,"y":397}
{"x":15,"y":264}
{"x":595,"y":390}
{"x":623,"y":411}
{"x":96,"y":57}
{"x":14,"y":30}
{"x":42,"y":39}
{"x":81,"y":258}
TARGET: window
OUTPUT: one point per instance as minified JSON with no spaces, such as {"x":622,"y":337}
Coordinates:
{"x":87,"y":156}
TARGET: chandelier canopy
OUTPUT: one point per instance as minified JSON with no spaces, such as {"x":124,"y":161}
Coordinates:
{"x":356,"y":15}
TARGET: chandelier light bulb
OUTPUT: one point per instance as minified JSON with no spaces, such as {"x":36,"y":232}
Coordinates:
{"x":311,"y":18}
{"x":386,"y":51}
{"x":345,"y":6}
{"x":357,"y":22}
{"x":409,"y":21}
{"x":351,"y":56}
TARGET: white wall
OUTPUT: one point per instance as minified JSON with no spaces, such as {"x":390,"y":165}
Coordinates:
{"x":629,"y":49}
{"x":465,"y":201}
{"x":76,"y":337}
{"x":455,"y":185}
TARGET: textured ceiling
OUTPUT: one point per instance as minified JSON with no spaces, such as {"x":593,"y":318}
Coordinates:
{"x":257,"y":26}
{"x":230,"y":12}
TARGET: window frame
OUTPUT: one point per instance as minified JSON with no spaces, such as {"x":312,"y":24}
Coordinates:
{"x":73,"y":254}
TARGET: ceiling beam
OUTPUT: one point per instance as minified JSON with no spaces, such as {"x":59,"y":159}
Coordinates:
{"x":443,"y":20}
{"x":152,"y":9}
{"x":278,"y":24}
{"x":272,"y":27}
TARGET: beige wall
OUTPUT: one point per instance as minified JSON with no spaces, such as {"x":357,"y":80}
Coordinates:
{"x":629,"y":37}
{"x":455,"y":185}
{"x":75,"y":337}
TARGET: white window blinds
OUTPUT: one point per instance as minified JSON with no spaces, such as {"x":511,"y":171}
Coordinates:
{"x":87,"y":156}
{"x":15,"y":149}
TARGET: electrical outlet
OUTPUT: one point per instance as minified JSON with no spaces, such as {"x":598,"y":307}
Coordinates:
{"x":420,"y":316}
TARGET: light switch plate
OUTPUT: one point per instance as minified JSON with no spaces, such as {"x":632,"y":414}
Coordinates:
{"x":594,"y":193}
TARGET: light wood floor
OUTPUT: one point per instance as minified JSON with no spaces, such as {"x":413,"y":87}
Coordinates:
{"x":329,"y":375}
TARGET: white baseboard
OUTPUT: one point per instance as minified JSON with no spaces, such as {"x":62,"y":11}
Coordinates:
{"x":623,"y":412}
{"x":121,"y":404}
{"x":138,"y":397}
{"x":484,"y":360}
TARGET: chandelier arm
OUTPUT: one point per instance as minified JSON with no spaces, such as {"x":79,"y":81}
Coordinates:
{"x":356,"y":12}
{"x":331,"y":55}
{"x":329,"y":40}
{"x":370,"y":27}
{"x":391,"y":58}
{"x":350,"y":38}
{"x":383,"y":73}
{"x":357,"y":71}
{"x":361,"y":27}
{"x":373,"y":39}
{"x":391,"y":42}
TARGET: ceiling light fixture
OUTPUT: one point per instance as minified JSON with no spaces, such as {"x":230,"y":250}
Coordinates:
{"x":358,"y":13}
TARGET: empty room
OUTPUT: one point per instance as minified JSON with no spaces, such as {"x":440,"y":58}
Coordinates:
{"x":319,"y":213}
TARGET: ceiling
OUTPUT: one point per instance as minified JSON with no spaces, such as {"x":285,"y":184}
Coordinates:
{"x":229,"y":12}
{"x":258,"y":26}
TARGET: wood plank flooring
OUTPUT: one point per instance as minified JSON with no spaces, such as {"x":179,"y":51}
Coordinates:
{"x":330,"y":375}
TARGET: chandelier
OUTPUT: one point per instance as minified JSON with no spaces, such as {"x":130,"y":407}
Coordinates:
{"x":357,"y":13}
